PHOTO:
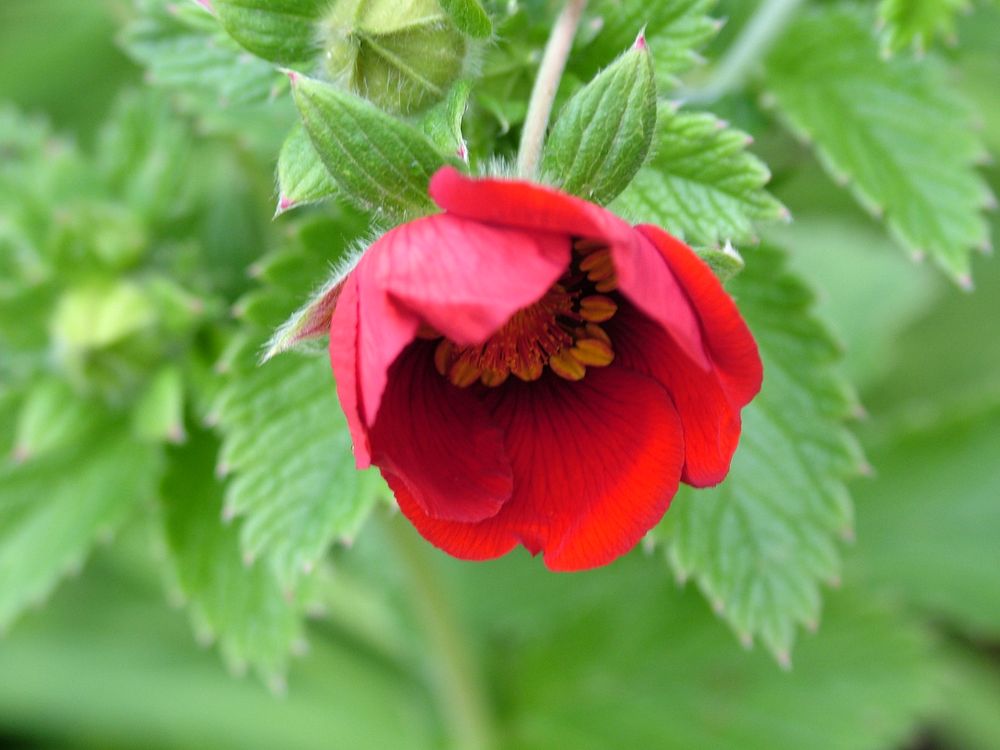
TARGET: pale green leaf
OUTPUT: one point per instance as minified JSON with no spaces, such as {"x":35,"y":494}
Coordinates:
{"x":674,"y":29}
{"x":379,"y":161}
{"x":237,"y":603}
{"x":282,"y":31}
{"x":185,"y":49}
{"x":761,"y":543}
{"x":895,"y":131}
{"x":916,"y":23}
{"x":302,"y":178}
{"x":929,"y":523}
{"x":285,"y":441}
{"x":53,"y":507}
{"x":603,"y":134}
{"x":700,"y":183}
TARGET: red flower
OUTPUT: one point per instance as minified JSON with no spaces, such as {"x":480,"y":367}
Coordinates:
{"x":526,"y":368}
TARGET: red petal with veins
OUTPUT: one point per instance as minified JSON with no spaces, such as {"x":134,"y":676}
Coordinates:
{"x":711,"y":423}
{"x":642,"y":275}
{"x":730,"y":344}
{"x":595,"y":463}
{"x":440,"y":441}
{"x":465,"y":278}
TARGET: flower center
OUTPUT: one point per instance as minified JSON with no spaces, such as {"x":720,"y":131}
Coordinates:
{"x":562,"y":330}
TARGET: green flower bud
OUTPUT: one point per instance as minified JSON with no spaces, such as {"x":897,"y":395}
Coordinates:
{"x":402,"y":55}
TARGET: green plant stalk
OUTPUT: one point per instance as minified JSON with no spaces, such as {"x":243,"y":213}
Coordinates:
{"x":752,"y":44}
{"x":543,"y":93}
{"x":458,"y":686}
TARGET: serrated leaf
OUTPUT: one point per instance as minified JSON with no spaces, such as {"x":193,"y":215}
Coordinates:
{"x":55,"y":506}
{"x":928,"y":523}
{"x":302,"y":178}
{"x":896,"y":131}
{"x":700,"y":183}
{"x":674,"y":30}
{"x":285,"y":441}
{"x":240,"y":605}
{"x":282,"y":31}
{"x":760,"y":544}
{"x":469,"y":16}
{"x":380,"y":162}
{"x":186,"y":50}
{"x":602,"y":135}
{"x":916,"y":23}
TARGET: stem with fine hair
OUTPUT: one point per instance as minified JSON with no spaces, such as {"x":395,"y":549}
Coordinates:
{"x":546,"y":84}
{"x":458,"y":686}
{"x":754,"y":41}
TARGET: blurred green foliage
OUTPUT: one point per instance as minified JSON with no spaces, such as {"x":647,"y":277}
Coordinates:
{"x":139,"y":278}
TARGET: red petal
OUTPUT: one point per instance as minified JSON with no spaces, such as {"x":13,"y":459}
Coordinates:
{"x":710,"y":421}
{"x":344,"y":361}
{"x":440,"y":441}
{"x":464,"y":278}
{"x":730,"y":344}
{"x":642,"y":275}
{"x":596,"y":464}
{"x":524,"y":205}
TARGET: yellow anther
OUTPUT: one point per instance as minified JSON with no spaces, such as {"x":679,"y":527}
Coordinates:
{"x":464,"y":373}
{"x":597,"y":308}
{"x":442,"y":356}
{"x":565,"y":365}
{"x":594,"y":331}
{"x":593,"y":352}
{"x":529,"y":371}
{"x":607,"y":285}
{"x":597,"y":259}
{"x":588,"y":246}
{"x":493,"y":378}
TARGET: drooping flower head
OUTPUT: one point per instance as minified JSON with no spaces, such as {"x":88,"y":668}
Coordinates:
{"x":527,"y":368}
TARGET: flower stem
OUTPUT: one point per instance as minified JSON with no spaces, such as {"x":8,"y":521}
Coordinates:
{"x":458,"y":687}
{"x":752,"y":44}
{"x":546,"y":84}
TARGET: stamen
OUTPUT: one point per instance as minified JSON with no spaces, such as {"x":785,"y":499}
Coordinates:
{"x":607,"y":285}
{"x":597,"y":308}
{"x":464,"y":373}
{"x":565,"y":365}
{"x":442,"y":356}
{"x":494,"y":378}
{"x":588,"y":246}
{"x":529,"y":371}
{"x":593,"y":352}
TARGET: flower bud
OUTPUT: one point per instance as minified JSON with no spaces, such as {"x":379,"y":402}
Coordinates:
{"x":402,"y":55}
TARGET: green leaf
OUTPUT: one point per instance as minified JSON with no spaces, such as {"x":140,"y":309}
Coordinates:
{"x":674,"y":30}
{"x":760,"y":544}
{"x":286,"y":443}
{"x":602,"y":135}
{"x":379,"y":162}
{"x":442,"y":124}
{"x":469,"y":16}
{"x":915,"y":23}
{"x":241,"y":605}
{"x":896,"y":131}
{"x":158,"y":414}
{"x":282,"y":31}
{"x":700,"y":184}
{"x":183,"y":48}
{"x":928,"y":523}
{"x":302,"y":178}
{"x":622,"y":658}
{"x":53,"y":507}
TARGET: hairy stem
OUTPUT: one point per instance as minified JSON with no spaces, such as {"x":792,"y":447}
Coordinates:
{"x":458,"y":686}
{"x":752,"y":44}
{"x":546,"y":84}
